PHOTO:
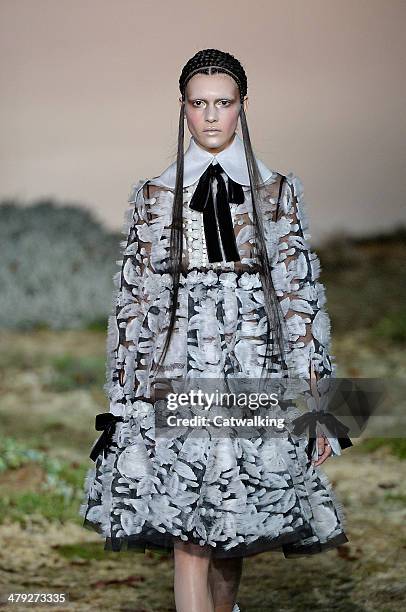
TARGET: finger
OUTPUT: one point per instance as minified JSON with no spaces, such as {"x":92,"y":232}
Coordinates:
{"x":326,"y":453}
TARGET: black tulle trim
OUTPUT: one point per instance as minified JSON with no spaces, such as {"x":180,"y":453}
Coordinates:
{"x":162,"y":543}
{"x":316,"y":547}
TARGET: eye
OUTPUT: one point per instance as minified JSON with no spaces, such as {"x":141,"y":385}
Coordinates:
{"x":197,"y":102}
{"x":226,"y":102}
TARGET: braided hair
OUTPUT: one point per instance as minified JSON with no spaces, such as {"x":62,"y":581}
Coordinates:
{"x":221,"y":60}
{"x":212,"y":61}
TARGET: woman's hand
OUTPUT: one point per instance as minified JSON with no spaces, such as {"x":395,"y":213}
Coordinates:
{"x":324,"y":450}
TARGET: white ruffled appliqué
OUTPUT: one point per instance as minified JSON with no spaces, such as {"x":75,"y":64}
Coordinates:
{"x":238,"y":495}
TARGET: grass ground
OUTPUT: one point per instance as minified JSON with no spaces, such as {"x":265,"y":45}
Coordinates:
{"x":51,"y":388}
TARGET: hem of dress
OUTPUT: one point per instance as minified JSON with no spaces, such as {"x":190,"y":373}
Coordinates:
{"x":163,"y":544}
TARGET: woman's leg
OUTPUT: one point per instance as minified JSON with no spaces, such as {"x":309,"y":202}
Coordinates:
{"x":224,"y":580}
{"x":191,"y":580}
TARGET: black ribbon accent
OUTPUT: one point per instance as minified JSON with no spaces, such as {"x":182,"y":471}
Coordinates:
{"x":309,"y":421}
{"x":105,"y":421}
{"x":202,"y":200}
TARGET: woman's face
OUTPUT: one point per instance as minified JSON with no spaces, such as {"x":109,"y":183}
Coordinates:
{"x":212,"y":102}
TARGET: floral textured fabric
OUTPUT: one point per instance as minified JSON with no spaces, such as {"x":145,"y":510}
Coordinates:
{"x":239,"y":495}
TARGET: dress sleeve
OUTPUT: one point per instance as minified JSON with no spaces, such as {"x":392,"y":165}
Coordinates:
{"x":136,"y":287}
{"x":296,"y":272}
{"x":128,"y":340}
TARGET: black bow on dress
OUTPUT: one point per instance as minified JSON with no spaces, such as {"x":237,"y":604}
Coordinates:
{"x":202,"y":200}
{"x":105,"y":421}
{"x":309,"y":421}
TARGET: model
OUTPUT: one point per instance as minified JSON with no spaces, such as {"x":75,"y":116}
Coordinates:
{"x":217,"y":283}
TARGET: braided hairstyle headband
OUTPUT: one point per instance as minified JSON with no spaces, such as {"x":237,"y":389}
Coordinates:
{"x":214,"y":58}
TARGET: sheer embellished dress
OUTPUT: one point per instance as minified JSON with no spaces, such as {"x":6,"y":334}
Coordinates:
{"x":239,"y":495}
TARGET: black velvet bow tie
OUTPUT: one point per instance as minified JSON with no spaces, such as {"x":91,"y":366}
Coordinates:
{"x":217,"y":215}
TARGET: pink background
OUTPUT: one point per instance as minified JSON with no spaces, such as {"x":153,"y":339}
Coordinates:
{"x":90,"y":98}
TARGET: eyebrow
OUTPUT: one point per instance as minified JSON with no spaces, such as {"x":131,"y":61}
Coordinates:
{"x":217,"y":99}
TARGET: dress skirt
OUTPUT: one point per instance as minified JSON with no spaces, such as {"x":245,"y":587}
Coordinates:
{"x":238,"y":494}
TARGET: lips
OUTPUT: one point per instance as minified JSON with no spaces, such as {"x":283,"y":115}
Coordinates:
{"x":211,"y":130}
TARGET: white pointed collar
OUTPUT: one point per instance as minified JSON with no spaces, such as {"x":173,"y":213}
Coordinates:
{"x":197,"y":160}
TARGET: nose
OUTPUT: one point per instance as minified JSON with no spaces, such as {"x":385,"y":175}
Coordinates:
{"x":211,"y":113}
